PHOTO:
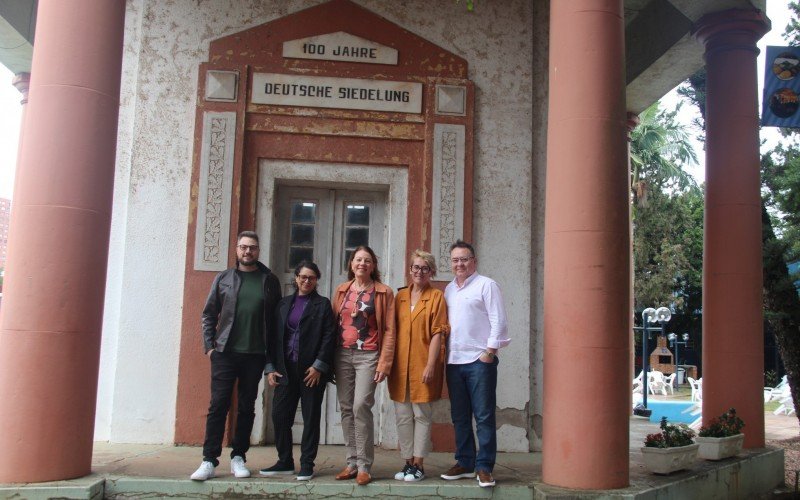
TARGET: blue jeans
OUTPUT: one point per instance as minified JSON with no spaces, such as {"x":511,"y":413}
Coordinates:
{"x":473,"y":388}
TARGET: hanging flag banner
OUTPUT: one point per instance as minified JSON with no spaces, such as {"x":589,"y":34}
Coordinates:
{"x":781,"y":104}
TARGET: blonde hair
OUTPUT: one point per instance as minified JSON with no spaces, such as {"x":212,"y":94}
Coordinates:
{"x":427,"y":257}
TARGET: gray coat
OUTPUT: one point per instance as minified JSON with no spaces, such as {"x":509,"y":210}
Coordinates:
{"x":220,"y":309}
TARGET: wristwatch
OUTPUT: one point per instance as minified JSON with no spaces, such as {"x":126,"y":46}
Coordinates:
{"x":490,"y":354}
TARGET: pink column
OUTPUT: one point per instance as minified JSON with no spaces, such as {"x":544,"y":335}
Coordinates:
{"x":587,"y":246}
{"x":733,"y":336}
{"x":58,"y":243}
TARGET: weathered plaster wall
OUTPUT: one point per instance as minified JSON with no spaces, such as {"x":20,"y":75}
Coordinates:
{"x":541,"y":46}
{"x":116,"y":254}
{"x":496,"y":40}
{"x":165,"y":42}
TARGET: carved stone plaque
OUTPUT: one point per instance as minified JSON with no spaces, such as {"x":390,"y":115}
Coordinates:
{"x":340,"y":46}
{"x":447,"y":224}
{"x":341,"y":93}
{"x":214,"y":196}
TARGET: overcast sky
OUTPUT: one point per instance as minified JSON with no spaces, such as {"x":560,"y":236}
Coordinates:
{"x":10,"y":109}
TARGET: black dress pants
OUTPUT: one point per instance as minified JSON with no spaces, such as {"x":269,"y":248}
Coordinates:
{"x":284,"y":407}
{"x":226,"y":369}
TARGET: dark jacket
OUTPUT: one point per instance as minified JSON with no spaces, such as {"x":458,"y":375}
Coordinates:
{"x":220,"y":309}
{"x":317,"y":337}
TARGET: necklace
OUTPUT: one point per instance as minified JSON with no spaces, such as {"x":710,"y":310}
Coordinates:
{"x":361,"y":290}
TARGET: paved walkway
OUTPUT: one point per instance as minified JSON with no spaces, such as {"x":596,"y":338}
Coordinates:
{"x":157,"y":471}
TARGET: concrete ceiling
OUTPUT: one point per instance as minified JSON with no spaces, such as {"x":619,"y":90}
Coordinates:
{"x":660,"y":50}
{"x":17,"y":26}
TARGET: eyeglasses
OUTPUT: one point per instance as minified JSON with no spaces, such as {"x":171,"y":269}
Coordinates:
{"x":244,"y":248}
{"x":462,"y":260}
{"x":417,"y":269}
{"x":305,"y":278}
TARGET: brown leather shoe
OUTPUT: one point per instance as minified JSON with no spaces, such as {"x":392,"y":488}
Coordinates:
{"x":485,"y":479}
{"x":363,"y":478}
{"x":347,"y":473}
{"x":457,"y":472}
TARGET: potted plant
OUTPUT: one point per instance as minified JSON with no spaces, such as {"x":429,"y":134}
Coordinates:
{"x":722,"y":438}
{"x":670,"y":450}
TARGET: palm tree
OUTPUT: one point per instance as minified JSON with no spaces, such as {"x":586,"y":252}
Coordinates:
{"x":666,"y":245}
{"x":660,"y":148}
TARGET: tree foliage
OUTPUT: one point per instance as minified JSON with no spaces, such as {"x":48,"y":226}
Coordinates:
{"x":780,"y":170}
{"x":668,"y":214}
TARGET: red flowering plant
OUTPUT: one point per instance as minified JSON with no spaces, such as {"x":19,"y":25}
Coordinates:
{"x":727,"y":424}
{"x":671,"y":436}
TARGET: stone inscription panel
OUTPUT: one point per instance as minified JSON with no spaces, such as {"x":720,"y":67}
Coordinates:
{"x":340,"y":46}
{"x":340,"y":93}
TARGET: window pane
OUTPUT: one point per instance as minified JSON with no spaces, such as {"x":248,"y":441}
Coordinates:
{"x":355,"y":236}
{"x":346,"y":260}
{"x":302,"y":235}
{"x":304,"y":211}
{"x":357,"y":215}
{"x":298,"y":255}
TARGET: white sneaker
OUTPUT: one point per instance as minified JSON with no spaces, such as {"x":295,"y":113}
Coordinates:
{"x":205,"y":471}
{"x":238,"y":468}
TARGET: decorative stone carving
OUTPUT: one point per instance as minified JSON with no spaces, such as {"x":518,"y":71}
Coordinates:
{"x":222,"y":85}
{"x":214,"y":196}
{"x":447,"y":210}
{"x":451,"y":100}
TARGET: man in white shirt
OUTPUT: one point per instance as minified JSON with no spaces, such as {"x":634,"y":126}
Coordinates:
{"x":477,"y":330}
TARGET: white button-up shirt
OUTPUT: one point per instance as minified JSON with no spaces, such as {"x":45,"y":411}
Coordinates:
{"x":477,"y":319}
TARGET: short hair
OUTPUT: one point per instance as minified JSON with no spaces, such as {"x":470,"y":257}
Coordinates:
{"x":307,"y":264}
{"x":375,"y":275}
{"x":462,"y":244}
{"x":429,"y":259}
{"x":247,"y":234}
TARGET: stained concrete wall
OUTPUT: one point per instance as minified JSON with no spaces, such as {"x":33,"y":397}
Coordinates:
{"x":165,"y":43}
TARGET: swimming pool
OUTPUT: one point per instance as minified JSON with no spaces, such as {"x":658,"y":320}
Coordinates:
{"x":673,"y":410}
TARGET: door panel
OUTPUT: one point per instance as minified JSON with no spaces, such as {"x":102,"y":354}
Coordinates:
{"x":325,"y":225}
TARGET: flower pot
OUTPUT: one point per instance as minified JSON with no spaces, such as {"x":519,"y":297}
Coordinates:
{"x":712,"y":448}
{"x":668,"y":460}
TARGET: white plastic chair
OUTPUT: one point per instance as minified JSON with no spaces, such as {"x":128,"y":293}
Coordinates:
{"x":656,"y":383}
{"x":670,"y":381}
{"x":786,"y":402}
{"x":776,"y":393}
{"x":697,"y":389}
{"x":637,"y":383}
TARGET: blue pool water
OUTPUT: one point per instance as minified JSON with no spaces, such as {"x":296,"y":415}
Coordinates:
{"x":673,"y":410}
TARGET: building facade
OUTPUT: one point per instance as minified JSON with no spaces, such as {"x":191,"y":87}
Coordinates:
{"x":323,"y":125}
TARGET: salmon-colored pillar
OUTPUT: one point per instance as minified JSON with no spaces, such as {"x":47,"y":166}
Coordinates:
{"x":58,"y":243}
{"x":587,"y":244}
{"x":733,"y":335}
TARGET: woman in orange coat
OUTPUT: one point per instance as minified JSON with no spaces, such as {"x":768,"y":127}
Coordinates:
{"x":418,"y":368}
{"x":364,"y":308}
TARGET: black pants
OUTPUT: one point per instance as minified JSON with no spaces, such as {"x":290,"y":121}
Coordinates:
{"x":227,"y":368}
{"x":284,"y":407}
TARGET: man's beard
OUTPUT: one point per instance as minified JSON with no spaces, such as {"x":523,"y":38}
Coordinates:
{"x":243,"y":263}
